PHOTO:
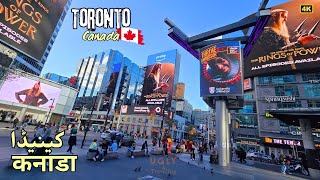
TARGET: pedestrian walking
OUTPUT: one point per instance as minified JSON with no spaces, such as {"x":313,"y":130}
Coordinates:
{"x":114,"y":146}
{"x":192,"y":154}
{"x":73,"y":138}
{"x":15,"y":122}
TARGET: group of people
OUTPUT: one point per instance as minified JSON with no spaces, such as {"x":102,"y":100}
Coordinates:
{"x":104,"y":147}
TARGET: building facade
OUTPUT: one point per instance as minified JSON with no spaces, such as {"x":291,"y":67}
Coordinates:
{"x":55,"y":77}
{"x":184,"y":109}
{"x":294,"y":92}
{"x":246,"y":132}
{"x":11,"y":109}
{"x":35,"y":66}
{"x":138,"y":124}
{"x":257,"y":129}
{"x":110,"y":77}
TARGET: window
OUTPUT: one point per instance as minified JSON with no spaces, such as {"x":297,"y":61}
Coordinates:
{"x":287,"y":91}
{"x":248,"y":96}
{"x":49,"y":48}
{"x":312,"y":90}
{"x":311,"y":76}
{"x":247,"y":121}
{"x":314,"y":104}
{"x":285,"y":105}
{"x":277,"y":79}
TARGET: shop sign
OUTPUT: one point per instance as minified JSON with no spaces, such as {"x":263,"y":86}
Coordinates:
{"x":280,"y":99}
{"x":249,"y":142}
{"x":283,"y":141}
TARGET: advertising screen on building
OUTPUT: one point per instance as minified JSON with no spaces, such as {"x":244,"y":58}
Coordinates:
{"x":159,"y":79}
{"x":27,"y":25}
{"x":289,"y":42}
{"x":30,"y":92}
{"x":125,"y":109}
{"x":111,"y":86}
{"x":220,"y":70}
{"x":247,"y":84}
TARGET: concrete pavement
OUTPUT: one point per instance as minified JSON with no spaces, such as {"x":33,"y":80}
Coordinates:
{"x":236,"y":170}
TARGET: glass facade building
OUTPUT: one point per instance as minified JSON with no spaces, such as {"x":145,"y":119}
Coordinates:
{"x":114,"y":78}
{"x":255,"y":125}
{"x":35,"y":66}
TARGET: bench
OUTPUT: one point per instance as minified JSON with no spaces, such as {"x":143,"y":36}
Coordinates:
{"x":136,"y":153}
{"x":10,"y":163}
{"x":156,"y":151}
{"x":108,"y":156}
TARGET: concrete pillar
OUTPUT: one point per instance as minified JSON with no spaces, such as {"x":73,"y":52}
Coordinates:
{"x":310,"y":149}
{"x":221,"y":127}
{"x":228,"y":136}
{"x":22,"y":113}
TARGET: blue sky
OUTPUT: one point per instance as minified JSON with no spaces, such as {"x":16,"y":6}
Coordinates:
{"x":192,"y":17}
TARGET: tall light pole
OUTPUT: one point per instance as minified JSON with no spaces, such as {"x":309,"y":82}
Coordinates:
{"x":161,"y":127}
{"x":52,"y":99}
{"x":89,"y":119}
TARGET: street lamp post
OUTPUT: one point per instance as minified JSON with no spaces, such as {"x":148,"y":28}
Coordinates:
{"x":52,"y":99}
{"x":88,"y":122}
{"x":161,"y":127}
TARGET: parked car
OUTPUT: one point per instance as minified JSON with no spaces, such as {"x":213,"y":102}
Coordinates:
{"x":252,"y":155}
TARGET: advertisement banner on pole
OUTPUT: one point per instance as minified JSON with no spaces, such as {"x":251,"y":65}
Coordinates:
{"x":159,"y":79}
{"x":220,"y":70}
{"x":27,"y":26}
{"x":289,"y":41}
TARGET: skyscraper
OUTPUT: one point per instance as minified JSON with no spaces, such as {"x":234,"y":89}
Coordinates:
{"x":110,"y":77}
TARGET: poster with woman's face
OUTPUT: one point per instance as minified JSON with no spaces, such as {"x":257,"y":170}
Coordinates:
{"x":29,"y":92}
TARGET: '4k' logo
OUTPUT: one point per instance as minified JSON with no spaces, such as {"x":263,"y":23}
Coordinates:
{"x":306,"y":8}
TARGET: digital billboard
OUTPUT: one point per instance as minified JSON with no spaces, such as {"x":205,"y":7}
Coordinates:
{"x":288,"y":43}
{"x":220,"y":70}
{"x":27,"y":25}
{"x":159,"y":79}
{"x":111,"y":86}
{"x":30,"y":92}
{"x":247,"y":84}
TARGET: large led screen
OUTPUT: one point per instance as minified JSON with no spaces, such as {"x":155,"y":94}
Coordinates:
{"x":27,"y":25}
{"x":289,"y":41}
{"x":159,"y":79}
{"x":30,"y":92}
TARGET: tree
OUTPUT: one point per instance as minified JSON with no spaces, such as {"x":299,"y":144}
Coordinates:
{"x":192,"y":132}
{"x":7,"y":74}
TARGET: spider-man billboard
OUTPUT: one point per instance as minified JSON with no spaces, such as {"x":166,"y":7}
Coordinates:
{"x":220,"y":73}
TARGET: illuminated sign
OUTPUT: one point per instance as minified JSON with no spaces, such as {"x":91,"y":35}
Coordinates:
{"x":247,"y":84}
{"x":283,"y":141}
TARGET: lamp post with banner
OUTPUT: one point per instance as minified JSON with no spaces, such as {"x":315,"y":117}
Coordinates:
{"x":51,"y":107}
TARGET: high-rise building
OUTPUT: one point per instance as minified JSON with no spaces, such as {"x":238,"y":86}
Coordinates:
{"x":55,"y":77}
{"x":184,"y":109}
{"x":28,"y":64}
{"x":114,"y":78}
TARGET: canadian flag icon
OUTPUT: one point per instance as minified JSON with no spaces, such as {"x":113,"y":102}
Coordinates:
{"x":131,"y":35}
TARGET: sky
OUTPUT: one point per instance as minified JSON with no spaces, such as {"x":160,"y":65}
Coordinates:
{"x":192,"y":17}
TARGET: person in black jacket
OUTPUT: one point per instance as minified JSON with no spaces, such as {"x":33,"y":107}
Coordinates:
{"x":104,"y":149}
